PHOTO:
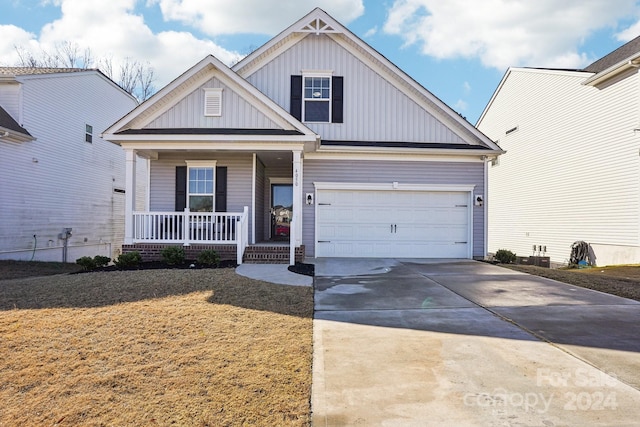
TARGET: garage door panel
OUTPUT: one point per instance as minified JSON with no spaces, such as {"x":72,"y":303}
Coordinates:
{"x":363,"y":223}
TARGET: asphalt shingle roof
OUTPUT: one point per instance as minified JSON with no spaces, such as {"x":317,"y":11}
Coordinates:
{"x":618,"y":55}
{"x":7,"y":122}
{"x":24,"y":71}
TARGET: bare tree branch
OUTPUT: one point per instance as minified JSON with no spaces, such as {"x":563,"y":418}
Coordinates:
{"x":132,"y":76}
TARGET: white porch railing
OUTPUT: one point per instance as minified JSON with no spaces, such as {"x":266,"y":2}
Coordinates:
{"x":193,"y":227}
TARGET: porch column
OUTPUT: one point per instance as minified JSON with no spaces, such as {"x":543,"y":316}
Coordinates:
{"x":129,"y":195}
{"x":295,"y":238}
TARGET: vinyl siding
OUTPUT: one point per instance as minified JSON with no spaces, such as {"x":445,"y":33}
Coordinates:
{"x":359,"y":171}
{"x":59,"y":180}
{"x":10,"y":100}
{"x":236,"y":112}
{"x":374,"y":109}
{"x":571,"y":169}
{"x":239,"y":175}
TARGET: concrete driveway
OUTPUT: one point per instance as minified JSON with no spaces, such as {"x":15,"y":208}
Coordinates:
{"x":415,"y":342}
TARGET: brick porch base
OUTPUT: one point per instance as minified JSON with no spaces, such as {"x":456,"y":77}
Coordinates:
{"x":260,"y":254}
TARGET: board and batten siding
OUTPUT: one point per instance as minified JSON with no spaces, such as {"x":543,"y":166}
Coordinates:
{"x":403,"y":172}
{"x":236,"y":112}
{"x":239,"y":176}
{"x":374,"y":109}
{"x":570,"y":171}
{"x":59,"y":180}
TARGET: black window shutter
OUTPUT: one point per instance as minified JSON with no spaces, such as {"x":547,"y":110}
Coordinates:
{"x":336,"y":98}
{"x":221,"y":189}
{"x":296,"y":97}
{"x":181,"y":188}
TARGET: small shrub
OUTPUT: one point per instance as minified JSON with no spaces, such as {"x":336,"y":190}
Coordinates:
{"x":208,"y":257}
{"x":101,"y":261}
{"x":128,"y":259}
{"x":87,"y":263}
{"x":173,"y":255}
{"x":505,"y":256}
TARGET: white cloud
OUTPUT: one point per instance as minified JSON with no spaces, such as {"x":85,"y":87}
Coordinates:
{"x":466,"y":87}
{"x":371,"y":32}
{"x":504,"y":33}
{"x":629,"y":33}
{"x":460,"y":105}
{"x":250,"y":16}
{"x":112,"y":30}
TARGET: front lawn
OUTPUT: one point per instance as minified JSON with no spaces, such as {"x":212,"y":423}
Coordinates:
{"x":154,"y":347}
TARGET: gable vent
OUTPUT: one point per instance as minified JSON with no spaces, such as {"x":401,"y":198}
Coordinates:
{"x":213,"y":102}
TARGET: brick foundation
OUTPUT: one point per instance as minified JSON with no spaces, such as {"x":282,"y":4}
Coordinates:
{"x":152,"y":251}
{"x":252,"y":255}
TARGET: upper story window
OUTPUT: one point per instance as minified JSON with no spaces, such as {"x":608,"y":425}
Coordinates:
{"x":88,"y":133}
{"x":317,"y":99}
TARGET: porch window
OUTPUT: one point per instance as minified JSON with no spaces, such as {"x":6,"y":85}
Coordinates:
{"x":201,"y":187}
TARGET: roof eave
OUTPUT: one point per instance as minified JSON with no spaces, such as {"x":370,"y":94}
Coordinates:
{"x":616,"y":69}
{"x":13,"y":136}
{"x":489,"y":153}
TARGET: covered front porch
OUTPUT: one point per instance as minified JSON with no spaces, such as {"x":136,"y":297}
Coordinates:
{"x":218,"y":199}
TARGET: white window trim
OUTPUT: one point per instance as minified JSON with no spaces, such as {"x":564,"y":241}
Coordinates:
{"x":87,"y":133}
{"x":202,"y":164}
{"x":322,"y":74}
{"x":212,"y":96}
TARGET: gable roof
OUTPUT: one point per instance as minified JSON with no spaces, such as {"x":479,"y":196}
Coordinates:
{"x":531,"y":70}
{"x":623,"y":53}
{"x":27,"y":71}
{"x":11,"y":130}
{"x":320,"y":22}
{"x":134,"y":122}
{"x":625,"y":59}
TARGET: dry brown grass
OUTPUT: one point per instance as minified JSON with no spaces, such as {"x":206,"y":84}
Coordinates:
{"x":623,"y":281}
{"x":155,"y":347}
{"x":18,"y":269}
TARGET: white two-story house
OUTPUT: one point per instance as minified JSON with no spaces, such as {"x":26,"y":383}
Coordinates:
{"x":314,"y":141}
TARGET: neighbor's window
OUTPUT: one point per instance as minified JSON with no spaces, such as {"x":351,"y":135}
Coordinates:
{"x":317,"y":98}
{"x":88,"y":133}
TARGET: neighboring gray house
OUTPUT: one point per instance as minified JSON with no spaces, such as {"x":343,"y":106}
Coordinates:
{"x":55,"y":170}
{"x":570,"y":172}
{"x":314,"y":139}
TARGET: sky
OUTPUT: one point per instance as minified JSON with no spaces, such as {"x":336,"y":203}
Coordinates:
{"x":457,"y":49}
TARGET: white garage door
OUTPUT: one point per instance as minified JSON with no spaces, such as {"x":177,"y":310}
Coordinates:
{"x":394,"y":224}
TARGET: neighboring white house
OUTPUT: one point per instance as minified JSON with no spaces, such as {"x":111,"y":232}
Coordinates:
{"x":572,"y":162}
{"x":370,"y":162}
{"x":56,"y":172}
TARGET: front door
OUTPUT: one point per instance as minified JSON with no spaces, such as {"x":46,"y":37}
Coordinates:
{"x":281,"y":210}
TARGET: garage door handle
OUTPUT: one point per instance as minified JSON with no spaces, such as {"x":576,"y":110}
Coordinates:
{"x":395,"y":228}
{"x":324,"y":241}
{"x":462,"y":206}
{"x":460,"y":243}
{"x":324,"y":204}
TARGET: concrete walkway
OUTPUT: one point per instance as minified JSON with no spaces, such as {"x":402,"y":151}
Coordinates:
{"x":274,"y":273}
{"x":462,"y":343}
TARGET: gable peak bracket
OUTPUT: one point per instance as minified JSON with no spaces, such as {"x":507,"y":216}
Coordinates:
{"x":317,"y":26}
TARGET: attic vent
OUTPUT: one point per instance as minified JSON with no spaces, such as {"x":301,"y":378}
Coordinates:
{"x":513,"y":129}
{"x":213,"y":102}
